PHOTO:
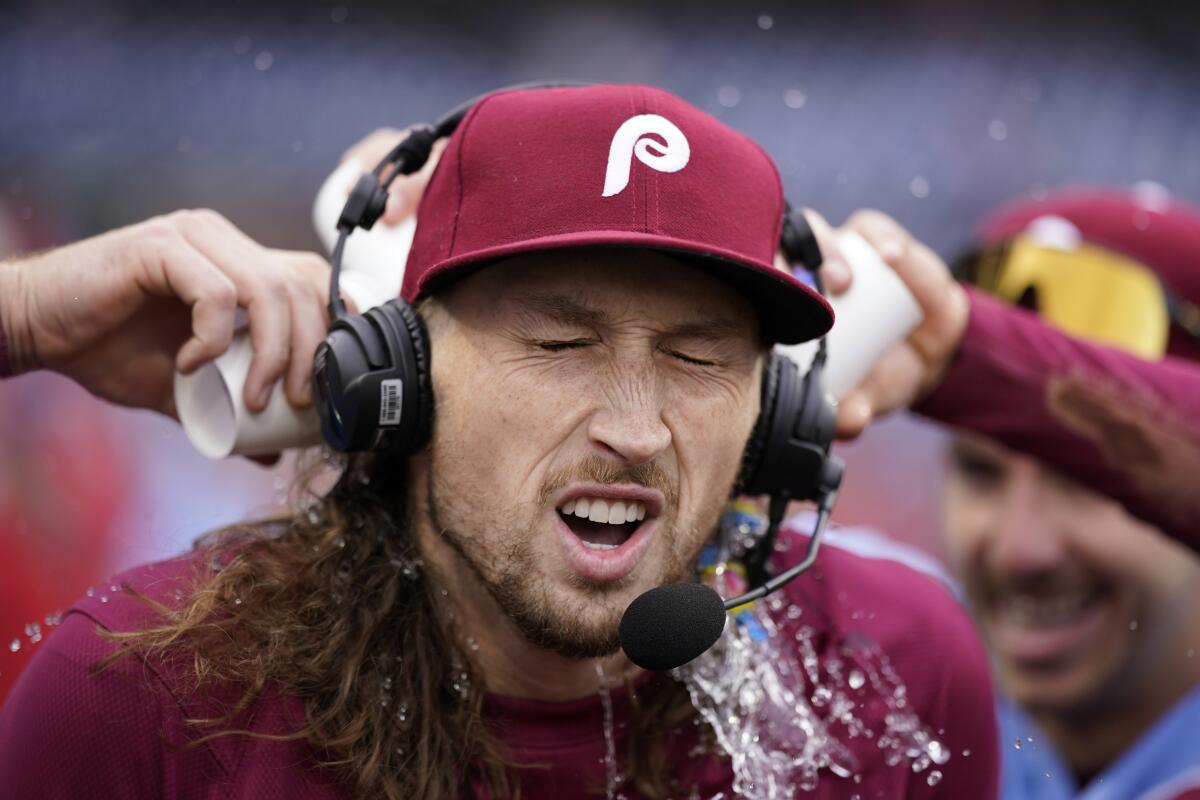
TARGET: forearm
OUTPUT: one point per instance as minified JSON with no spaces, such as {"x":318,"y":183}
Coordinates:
{"x":1120,"y":425}
{"x":14,"y":341}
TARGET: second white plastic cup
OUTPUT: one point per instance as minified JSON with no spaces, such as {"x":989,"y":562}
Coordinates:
{"x":872,"y":315}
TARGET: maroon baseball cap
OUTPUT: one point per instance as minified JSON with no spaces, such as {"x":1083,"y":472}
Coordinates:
{"x":1146,"y":223}
{"x":622,"y":166}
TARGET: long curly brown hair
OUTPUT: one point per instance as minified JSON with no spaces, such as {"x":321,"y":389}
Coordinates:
{"x":334,"y":605}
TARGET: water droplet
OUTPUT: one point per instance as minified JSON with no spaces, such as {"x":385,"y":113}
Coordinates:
{"x":856,"y":679}
{"x":766,"y":22}
{"x":1029,"y":739}
{"x":1017,"y":743}
{"x":14,"y":646}
{"x":91,"y":592}
{"x":103,"y":598}
{"x":339,"y":14}
{"x":794,"y":98}
{"x":237,"y":601}
{"x":966,"y":753}
{"x":1151,"y":196}
{"x":794,"y":612}
{"x":1133,"y":625}
{"x":934,"y":778}
{"x":263,"y":61}
{"x":997,"y":130}
{"x":729,"y":96}
{"x":919,"y":187}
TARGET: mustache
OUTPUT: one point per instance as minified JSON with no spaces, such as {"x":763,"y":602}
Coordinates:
{"x":594,"y":469}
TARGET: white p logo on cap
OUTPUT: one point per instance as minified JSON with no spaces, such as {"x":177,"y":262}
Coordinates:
{"x":631,"y":138}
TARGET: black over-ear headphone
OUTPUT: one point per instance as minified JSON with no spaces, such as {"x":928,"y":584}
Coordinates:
{"x":371,"y":373}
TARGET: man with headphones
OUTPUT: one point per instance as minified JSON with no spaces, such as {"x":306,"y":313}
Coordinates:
{"x":545,"y":427}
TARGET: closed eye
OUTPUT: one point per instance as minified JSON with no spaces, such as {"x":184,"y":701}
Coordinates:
{"x":557,"y":346}
{"x":689,"y":359}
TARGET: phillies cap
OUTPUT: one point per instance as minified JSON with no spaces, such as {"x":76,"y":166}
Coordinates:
{"x":623,"y":166}
{"x":1145,"y":223}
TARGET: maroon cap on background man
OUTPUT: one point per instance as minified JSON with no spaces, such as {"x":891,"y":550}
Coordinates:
{"x":623,"y":166}
{"x":1145,"y":223}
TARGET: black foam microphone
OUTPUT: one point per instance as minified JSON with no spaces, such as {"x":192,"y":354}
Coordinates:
{"x":668,"y":626}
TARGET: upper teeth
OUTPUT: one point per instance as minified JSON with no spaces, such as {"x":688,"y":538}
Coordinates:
{"x":597,"y":509}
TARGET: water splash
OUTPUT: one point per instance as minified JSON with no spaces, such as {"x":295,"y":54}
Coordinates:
{"x":783,"y":712}
{"x":612,"y":775}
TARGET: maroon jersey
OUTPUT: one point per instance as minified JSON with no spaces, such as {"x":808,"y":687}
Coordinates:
{"x":70,"y":732}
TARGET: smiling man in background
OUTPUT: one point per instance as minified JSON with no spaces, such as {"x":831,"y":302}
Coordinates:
{"x":1092,"y":614}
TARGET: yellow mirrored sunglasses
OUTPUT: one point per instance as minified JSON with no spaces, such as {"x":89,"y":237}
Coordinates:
{"x":1086,"y":291}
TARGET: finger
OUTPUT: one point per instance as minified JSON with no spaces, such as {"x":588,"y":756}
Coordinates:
{"x":174,"y":268}
{"x":853,"y":416}
{"x":836,"y":275}
{"x":270,"y":338}
{"x":888,"y":237}
{"x":890,"y":385}
{"x":261,"y":290}
{"x":309,"y":324}
{"x":370,"y":149}
{"x":922,"y":270}
{"x":406,"y":191}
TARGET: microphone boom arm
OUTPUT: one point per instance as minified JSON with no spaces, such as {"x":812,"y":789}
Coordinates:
{"x":810,"y":556}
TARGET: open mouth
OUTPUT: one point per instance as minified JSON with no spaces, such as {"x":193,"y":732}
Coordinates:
{"x":1045,"y":627}
{"x":602,"y":523}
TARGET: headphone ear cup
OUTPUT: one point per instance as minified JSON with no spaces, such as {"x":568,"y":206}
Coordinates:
{"x":371,"y":376}
{"x":787,"y":452}
{"x":756,"y":445}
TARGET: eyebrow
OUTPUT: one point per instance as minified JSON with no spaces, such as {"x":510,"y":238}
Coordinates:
{"x":566,"y":309}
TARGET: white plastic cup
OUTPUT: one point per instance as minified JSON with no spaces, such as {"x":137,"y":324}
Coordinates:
{"x":876,"y":312}
{"x":214,"y":416}
{"x":210,"y":401}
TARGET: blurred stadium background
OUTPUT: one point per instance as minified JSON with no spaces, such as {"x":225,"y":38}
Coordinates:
{"x":933,"y":111}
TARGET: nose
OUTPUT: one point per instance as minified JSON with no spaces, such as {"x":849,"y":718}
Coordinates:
{"x":630,"y":426}
{"x":1027,"y":537}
